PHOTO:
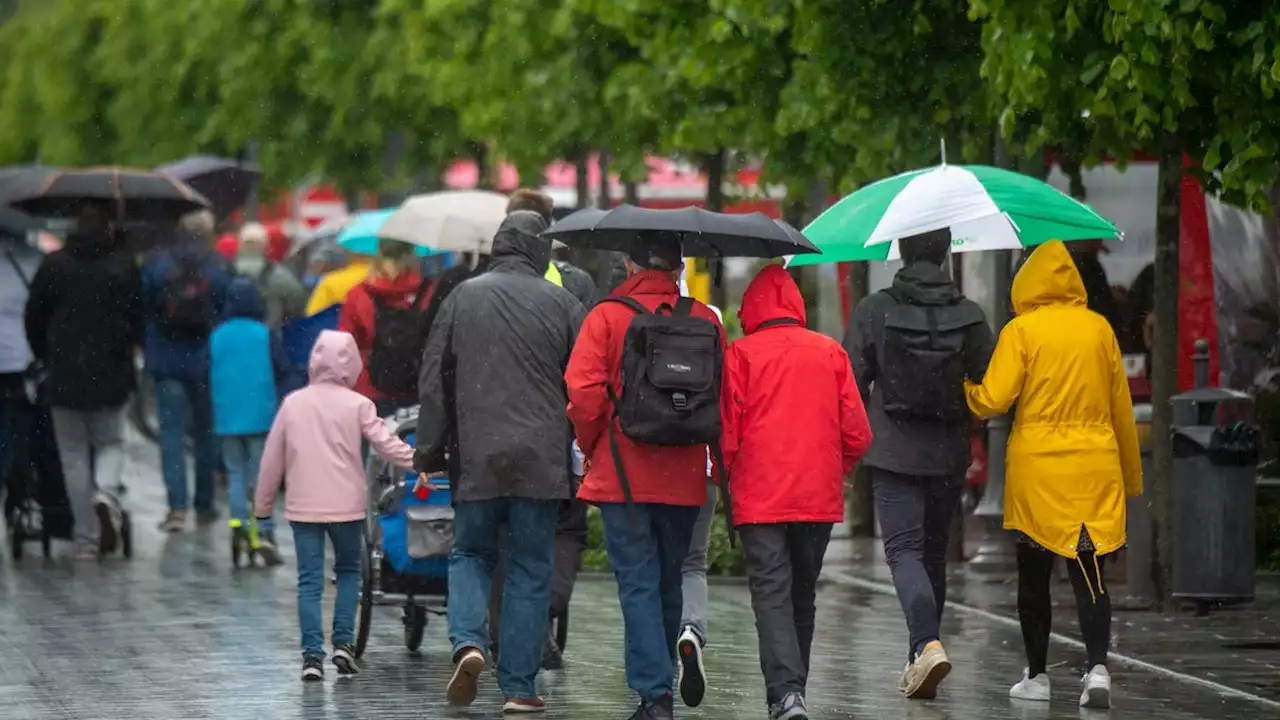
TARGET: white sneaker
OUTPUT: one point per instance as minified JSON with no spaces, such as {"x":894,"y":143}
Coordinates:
{"x":1097,"y":688}
{"x":1035,"y":689}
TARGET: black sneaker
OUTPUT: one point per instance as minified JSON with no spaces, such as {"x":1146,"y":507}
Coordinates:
{"x":791,"y":708}
{"x":344,"y":658}
{"x":662,"y":708}
{"x":693,"y":676}
{"x":312,"y":669}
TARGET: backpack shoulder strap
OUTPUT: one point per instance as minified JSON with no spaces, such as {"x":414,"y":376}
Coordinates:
{"x":635,"y":305}
{"x":684,"y":307}
{"x":26,"y":282}
{"x":423,"y":288}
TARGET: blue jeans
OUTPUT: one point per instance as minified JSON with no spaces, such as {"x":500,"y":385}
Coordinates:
{"x":184,"y":408}
{"x":348,"y":546}
{"x":242,"y":455}
{"x":529,"y":559}
{"x":648,"y":560}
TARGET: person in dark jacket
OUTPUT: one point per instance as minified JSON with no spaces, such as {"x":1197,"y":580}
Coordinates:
{"x":179,"y":364}
{"x":793,"y":427}
{"x":83,"y":320}
{"x":493,"y":381}
{"x":912,"y":346}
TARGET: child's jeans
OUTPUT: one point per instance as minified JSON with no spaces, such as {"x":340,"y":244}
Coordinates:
{"x":348,"y":546}
{"x":242,"y":455}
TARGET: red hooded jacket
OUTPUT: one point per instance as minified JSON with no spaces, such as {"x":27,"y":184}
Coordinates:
{"x":663,"y":475}
{"x":794,"y":424}
{"x":358,"y":313}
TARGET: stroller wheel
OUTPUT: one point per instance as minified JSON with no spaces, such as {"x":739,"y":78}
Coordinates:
{"x":562,"y":629}
{"x":366,"y":603}
{"x":126,"y":536}
{"x":46,"y":545}
{"x":415,"y":626}
{"x":15,"y":540}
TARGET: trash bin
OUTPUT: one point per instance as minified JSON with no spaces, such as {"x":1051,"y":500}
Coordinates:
{"x":1215,"y":450}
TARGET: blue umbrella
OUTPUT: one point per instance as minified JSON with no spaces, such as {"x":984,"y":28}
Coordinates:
{"x":361,"y":234}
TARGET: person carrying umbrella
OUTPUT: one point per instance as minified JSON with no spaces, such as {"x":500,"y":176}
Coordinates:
{"x":912,"y":346}
{"x":333,"y":286}
{"x":1073,"y":457}
{"x":649,"y":496}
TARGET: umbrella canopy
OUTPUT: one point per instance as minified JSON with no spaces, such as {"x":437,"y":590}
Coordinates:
{"x":138,"y":195}
{"x":985,"y":208}
{"x":362,"y":234}
{"x":452,"y":221}
{"x":15,"y":223}
{"x":226,"y":182}
{"x":703,"y":233}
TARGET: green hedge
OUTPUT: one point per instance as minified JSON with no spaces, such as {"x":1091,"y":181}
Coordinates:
{"x":721,"y":559}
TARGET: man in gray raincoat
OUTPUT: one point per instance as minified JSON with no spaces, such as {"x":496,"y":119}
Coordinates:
{"x":492,"y":388}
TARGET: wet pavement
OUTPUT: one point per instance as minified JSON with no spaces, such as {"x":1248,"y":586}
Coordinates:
{"x":176,"y":632}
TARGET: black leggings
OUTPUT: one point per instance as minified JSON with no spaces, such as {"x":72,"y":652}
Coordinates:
{"x":1035,"y":572}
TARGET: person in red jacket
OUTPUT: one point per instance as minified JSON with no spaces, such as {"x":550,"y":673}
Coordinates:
{"x":793,"y":428}
{"x":393,"y":282}
{"x":668,"y":484}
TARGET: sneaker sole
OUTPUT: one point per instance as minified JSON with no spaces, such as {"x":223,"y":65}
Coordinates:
{"x":693,"y":679}
{"x":346,"y":665}
{"x":1096,"y":698}
{"x":108,"y":539}
{"x":313,"y":676}
{"x":464,"y":684}
{"x":928,"y":687}
{"x":518,"y":709}
{"x":269,"y":555}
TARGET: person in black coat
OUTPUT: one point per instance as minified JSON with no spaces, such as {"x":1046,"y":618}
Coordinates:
{"x":83,"y":321}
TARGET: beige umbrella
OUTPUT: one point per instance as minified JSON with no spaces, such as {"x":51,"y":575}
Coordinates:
{"x":450,"y":221}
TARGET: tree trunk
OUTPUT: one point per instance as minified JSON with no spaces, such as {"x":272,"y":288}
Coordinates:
{"x":714,"y":167}
{"x":631,"y":192}
{"x":484,"y":173}
{"x":581,"y":182}
{"x":1164,"y":362}
{"x":603,"y":199}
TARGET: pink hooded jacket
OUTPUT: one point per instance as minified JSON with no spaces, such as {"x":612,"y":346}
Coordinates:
{"x":315,"y":441}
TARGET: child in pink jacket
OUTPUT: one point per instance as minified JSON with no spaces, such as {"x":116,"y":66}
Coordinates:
{"x":315,"y":445}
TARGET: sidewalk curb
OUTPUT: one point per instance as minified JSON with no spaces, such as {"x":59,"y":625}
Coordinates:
{"x":843,"y":578}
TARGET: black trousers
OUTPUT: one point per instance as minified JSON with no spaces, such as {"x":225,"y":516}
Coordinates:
{"x":783,"y":563}
{"x":1035,"y":612}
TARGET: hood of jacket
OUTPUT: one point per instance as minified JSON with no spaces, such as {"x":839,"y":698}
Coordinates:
{"x":772,"y":295}
{"x":406,"y":283}
{"x":923,"y":283}
{"x":87,"y":246}
{"x":335,"y":359}
{"x":517,"y":245}
{"x":1049,"y":277}
{"x":244,"y":300}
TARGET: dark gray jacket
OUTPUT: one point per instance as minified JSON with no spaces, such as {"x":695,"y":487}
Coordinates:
{"x":912,"y":448}
{"x":492,"y":382}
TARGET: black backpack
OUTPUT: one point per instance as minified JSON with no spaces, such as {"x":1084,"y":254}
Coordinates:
{"x":399,"y":339}
{"x":922,"y":360}
{"x":186,"y":301}
{"x":671,"y":370}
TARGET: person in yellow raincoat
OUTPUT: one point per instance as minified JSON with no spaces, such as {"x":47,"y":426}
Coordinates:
{"x":1073,"y":456}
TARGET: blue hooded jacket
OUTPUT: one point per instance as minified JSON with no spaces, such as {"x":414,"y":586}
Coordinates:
{"x":166,"y":357}
{"x":247,"y":365}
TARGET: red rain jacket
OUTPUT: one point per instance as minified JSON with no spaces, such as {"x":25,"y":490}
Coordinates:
{"x":662,"y":475}
{"x":358,"y":314}
{"x":794,"y":424}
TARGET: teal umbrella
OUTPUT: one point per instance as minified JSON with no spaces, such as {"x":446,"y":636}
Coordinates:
{"x":361,"y":234}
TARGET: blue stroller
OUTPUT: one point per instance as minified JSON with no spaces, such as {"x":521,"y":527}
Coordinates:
{"x":408,"y":535}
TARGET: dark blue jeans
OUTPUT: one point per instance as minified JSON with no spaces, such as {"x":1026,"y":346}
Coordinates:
{"x":184,"y":408}
{"x":348,"y":547}
{"x":647,"y":556}
{"x":529,"y":560}
{"x":915,"y":516}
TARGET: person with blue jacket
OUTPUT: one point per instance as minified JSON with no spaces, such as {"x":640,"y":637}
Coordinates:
{"x":184,"y":287}
{"x":247,"y":367}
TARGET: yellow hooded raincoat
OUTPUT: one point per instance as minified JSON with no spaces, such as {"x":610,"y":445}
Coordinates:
{"x":1073,"y":452}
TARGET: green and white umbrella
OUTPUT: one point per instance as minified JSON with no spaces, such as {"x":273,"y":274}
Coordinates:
{"x":985,"y":208}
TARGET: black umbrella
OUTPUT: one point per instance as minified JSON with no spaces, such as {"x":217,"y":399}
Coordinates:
{"x":138,"y":195}
{"x":16,"y":224}
{"x":226,"y":182}
{"x":702,"y":233}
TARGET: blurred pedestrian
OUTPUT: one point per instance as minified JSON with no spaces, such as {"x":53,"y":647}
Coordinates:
{"x":184,"y":287}
{"x":283,"y":296}
{"x":912,"y":345}
{"x":794,"y":427}
{"x":17,"y":268}
{"x":493,"y":386}
{"x":314,"y":452}
{"x":84,"y":319}
{"x":247,"y":368}
{"x":649,"y":495}
{"x":1073,"y":457}
{"x":334,"y":285}
{"x":384,"y":313}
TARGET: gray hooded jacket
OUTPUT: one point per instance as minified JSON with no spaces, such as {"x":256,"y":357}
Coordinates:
{"x":492,"y":382}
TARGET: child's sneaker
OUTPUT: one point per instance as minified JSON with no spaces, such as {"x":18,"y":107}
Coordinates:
{"x":312,"y":669}
{"x":344,"y":658}
{"x":264,"y":544}
{"x":110,"y":520}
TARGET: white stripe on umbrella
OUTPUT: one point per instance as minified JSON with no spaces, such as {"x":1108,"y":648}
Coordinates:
{"x":946,"y":197}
